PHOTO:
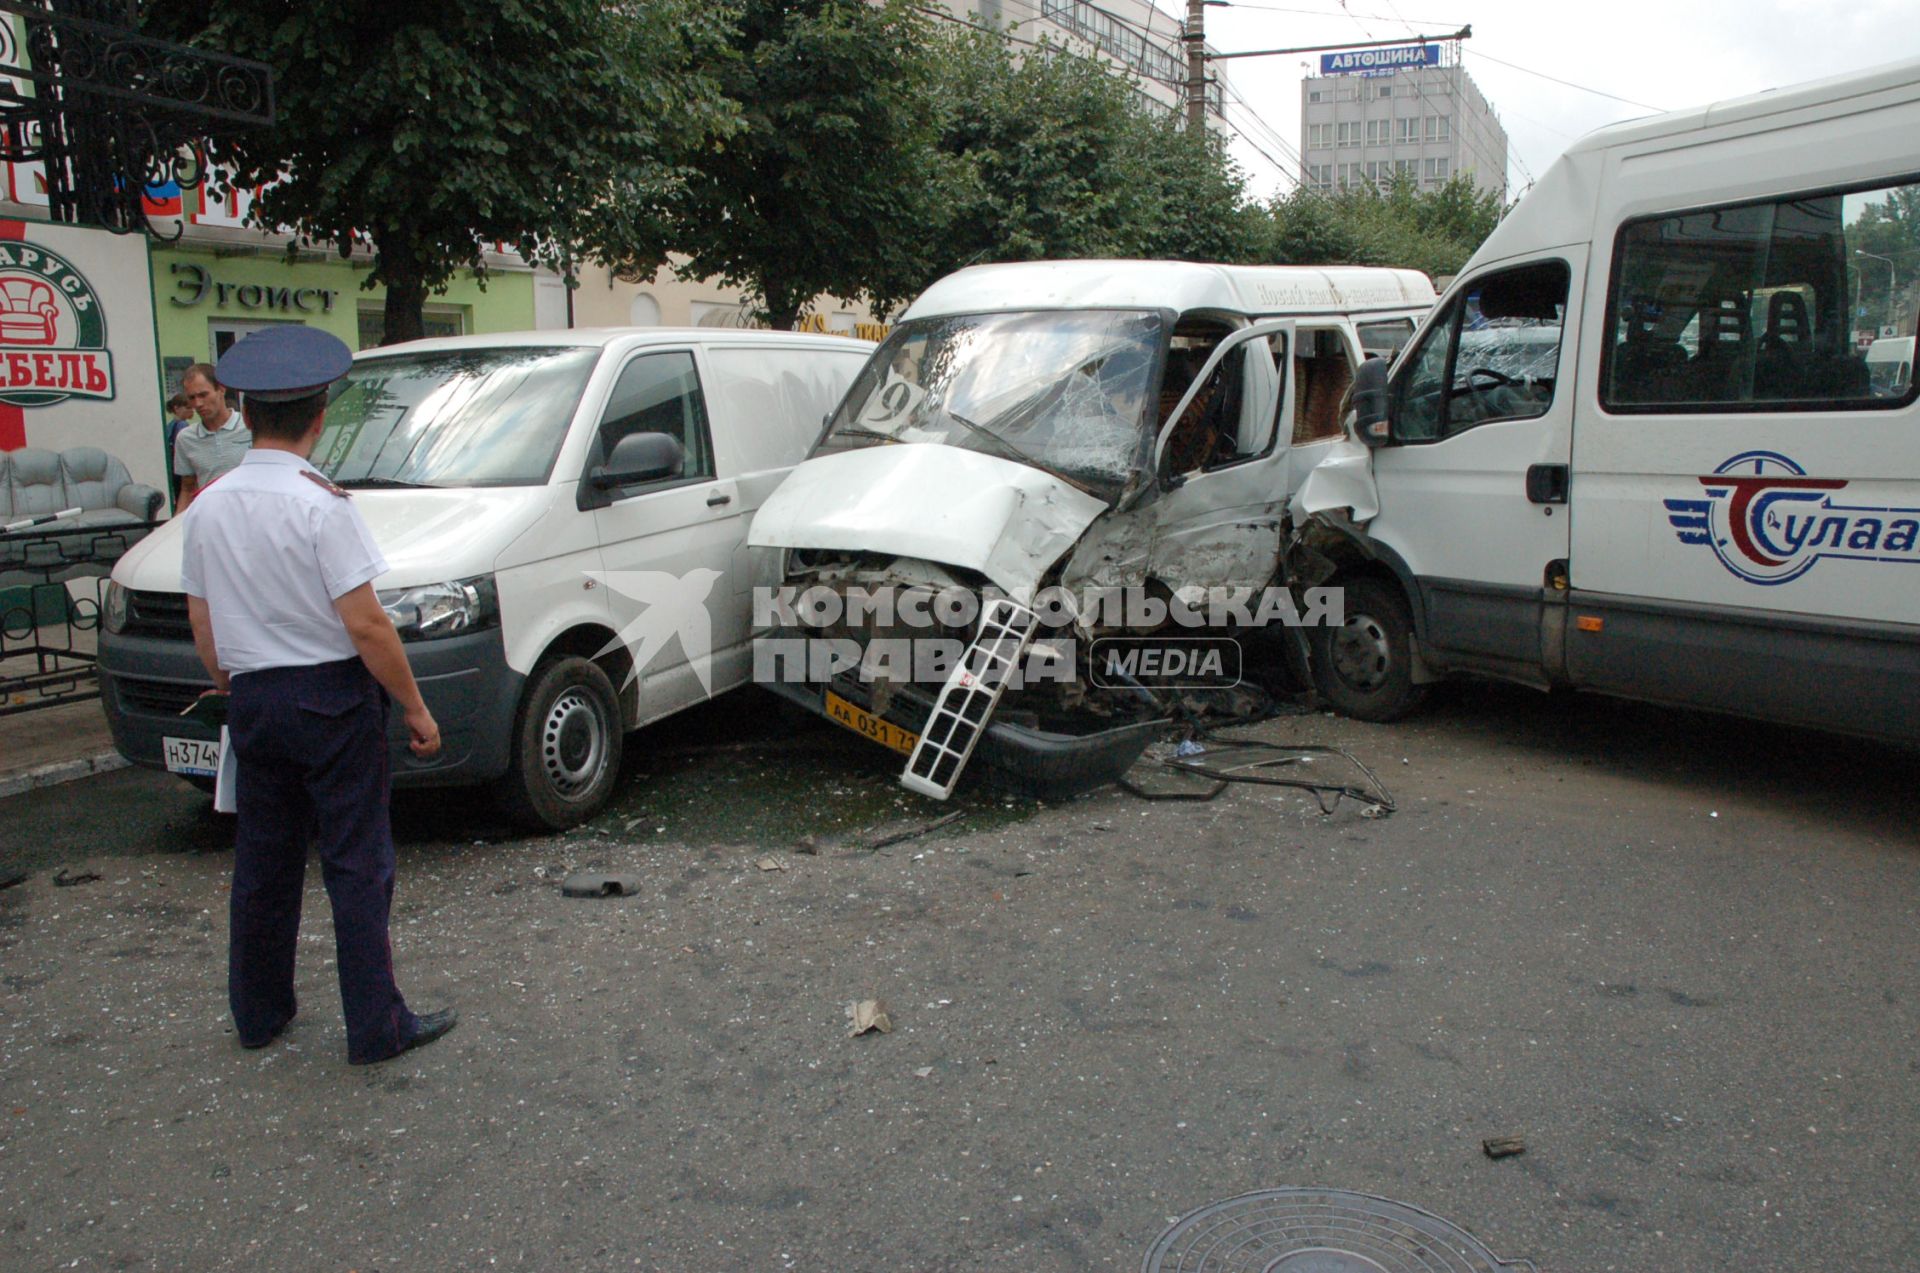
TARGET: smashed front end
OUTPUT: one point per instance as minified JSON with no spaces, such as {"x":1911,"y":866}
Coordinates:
{"x":922,"y":541}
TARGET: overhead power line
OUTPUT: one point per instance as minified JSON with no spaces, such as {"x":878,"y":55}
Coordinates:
{"x":1525,"y":70}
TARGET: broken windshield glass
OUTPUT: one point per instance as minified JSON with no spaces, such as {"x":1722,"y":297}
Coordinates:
{"x":1065,"y":391}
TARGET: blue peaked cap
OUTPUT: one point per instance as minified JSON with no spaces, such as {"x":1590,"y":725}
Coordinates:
{"x":284,"y":362}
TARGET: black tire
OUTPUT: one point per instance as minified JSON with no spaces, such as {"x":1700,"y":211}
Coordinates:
{"x":566,"y":747}
{"x":1365,"y":668}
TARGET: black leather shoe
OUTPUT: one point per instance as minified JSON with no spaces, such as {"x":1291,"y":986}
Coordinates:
{"x":430,"y":1027}
{"x":273,"y":1034}
{"x":426,"y":1029}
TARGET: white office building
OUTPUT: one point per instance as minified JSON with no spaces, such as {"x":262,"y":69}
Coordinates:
{"x":1135,"y":36}
{"x":1429,"y":122}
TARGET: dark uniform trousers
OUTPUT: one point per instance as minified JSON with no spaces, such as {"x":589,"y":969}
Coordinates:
{"x":313,"y":770}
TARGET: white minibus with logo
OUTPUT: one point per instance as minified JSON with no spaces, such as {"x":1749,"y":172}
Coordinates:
{"x":1638,"y":447}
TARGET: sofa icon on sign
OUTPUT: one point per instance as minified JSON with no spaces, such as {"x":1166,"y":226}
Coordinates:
{"x":27,"y":312}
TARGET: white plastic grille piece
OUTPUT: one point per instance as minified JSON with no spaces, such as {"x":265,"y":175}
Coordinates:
{"x":967,"y":700}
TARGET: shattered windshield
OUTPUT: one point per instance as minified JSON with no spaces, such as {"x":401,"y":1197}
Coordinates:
{"x":1065,"y":391}
{"x":468,"y":417}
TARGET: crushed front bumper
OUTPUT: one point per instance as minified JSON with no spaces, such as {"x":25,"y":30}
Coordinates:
{"x":1033,"y":761}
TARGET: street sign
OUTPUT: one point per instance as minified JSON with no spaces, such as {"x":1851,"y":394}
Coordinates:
{"x":1380,"y":61}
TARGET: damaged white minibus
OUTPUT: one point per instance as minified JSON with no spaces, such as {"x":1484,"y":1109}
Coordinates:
{"x":1122,"y":428}
{"x":1641,"y":447}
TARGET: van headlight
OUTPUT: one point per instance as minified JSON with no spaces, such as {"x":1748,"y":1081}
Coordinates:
{"x":429,"y":611}
{"x":116,"y":608}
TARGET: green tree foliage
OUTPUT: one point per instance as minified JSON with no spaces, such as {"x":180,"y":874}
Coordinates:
{"x":829,"y":182}
{"x":1047,"y":155}
{"x":1889,"y":229}
{"x":1401,"y":225}
{"x":557,"y":126}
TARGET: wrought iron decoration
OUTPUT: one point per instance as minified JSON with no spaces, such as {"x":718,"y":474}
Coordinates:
{"x":109,"y":111}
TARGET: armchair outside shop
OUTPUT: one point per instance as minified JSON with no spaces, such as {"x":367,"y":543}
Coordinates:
{"x":65,"y":518}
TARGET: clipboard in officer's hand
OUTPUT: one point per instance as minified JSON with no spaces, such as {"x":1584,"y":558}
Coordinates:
{"x":226,"y":782}
{"x":210,"y":709}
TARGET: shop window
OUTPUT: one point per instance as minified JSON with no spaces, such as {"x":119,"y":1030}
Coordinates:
{"x":436,"y":320}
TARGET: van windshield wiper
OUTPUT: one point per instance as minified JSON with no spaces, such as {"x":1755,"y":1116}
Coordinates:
{"x":1017,"y":454}
{"x":383,"y":484}
{"x":857,"y":431}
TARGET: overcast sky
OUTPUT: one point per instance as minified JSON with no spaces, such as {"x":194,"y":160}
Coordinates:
{"x":1666,"y":54}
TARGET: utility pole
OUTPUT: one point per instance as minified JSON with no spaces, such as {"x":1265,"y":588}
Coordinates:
{"x":1196,"y":66}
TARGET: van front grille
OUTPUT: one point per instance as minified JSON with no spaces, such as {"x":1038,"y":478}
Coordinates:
{"x":158,"y":614}
{"x":156,"y":698}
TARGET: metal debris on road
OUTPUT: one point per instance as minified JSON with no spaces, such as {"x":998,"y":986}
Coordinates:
{"x":912,"y":833}
{"x":1235,"y":759}
{"x":868,"y":1015}
{"x":1150,"y":779}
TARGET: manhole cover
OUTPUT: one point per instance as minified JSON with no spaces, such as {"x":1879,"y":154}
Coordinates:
{"x":1318,"y":1231}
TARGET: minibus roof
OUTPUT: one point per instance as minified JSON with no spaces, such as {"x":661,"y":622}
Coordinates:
{"x":1181,"y":286}
{"x":1561,"y":206}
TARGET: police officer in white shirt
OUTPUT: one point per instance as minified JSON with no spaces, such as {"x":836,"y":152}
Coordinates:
{"x":278,"y":569}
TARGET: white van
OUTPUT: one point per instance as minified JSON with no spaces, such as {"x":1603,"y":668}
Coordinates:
{"x":1636,"y":447}
{"x":564,"y":515}
{"x":1890,"y":366}
{"x":1082,"y":424}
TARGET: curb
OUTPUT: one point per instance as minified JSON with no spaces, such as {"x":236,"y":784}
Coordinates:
{"x":60,"y":771}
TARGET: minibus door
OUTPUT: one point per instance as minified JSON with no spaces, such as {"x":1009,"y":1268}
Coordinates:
{"x":1473,"y":492}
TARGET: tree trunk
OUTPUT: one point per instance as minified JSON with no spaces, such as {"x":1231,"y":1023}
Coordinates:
{"x":406,"y":306}
{"x":783,"y":309}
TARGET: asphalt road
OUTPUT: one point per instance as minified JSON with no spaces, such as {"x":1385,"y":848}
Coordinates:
{"x":1676,"y":955}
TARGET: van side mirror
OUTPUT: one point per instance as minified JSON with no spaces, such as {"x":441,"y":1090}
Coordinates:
{"x":1370,"y":422}
{"x":640,"y":457}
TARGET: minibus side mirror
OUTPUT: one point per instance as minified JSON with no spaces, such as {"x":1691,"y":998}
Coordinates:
{"x":1370,"y":422}
{"x":640,"y":457}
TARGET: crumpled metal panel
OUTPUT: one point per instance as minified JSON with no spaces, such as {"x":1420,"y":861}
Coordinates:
{"x":1342,"y":479}
{"x":938,"y":503}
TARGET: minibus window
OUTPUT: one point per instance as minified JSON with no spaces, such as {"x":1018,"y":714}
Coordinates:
{"x":1494,"y":355}
{"x":1322,"y":374}
{"x":1384,"y":339}
{"x":1763,"y":306}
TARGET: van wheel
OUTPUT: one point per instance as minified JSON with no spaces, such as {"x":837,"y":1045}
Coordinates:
{"x":1364,"y":668}
{"x":566,"y":747}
